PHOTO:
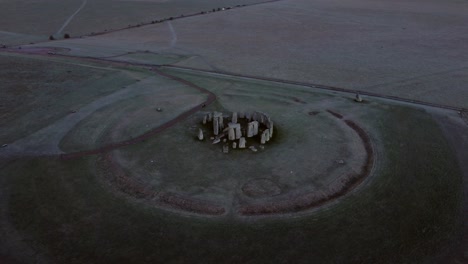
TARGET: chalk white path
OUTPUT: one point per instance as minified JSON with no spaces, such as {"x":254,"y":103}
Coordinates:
{"x":174,"y":35}
{"x":71,"y":17}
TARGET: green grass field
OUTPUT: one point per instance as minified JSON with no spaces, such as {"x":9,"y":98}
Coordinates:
{"x":409,"y":211}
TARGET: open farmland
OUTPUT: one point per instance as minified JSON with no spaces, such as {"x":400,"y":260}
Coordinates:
{"x":101,"y":159}
{"x":84,"y":17}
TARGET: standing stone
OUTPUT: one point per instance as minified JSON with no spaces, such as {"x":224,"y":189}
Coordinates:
{"x":204,"y":119}
{"x":234,"y":145}
{"x":234,"y":117}
{"x":262,"y":118}
{"x":263,"y":139}
{"x":250,"y":129}
{"x":209,"y":117}
{"x":221,"y":122}
{"x":200,"y":134}
{"x":248,"y":116}
{"x":270,"y":127}
{"x":358,"y":98}
{"x":238,"y":131}
{"x":215,"y":126}
{"x":255,"y":127}
{"x":231,"y":133}
{"x":217,"y":122}
{"x":242,"y":142}
{"x":267,"y":134}
{"x":255,"y":116}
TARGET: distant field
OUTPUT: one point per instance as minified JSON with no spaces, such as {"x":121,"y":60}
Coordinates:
{"x":46,"y":17}
{"x":36,"y":93}
{"x":414,"y":50}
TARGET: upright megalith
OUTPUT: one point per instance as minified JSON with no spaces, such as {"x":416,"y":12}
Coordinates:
{"x":250,"y":130}
{"x":200,"y":134}
{"x":234,"y":117}
{"x":358,"y":98}
{"x":270,"y":127}
{"x":254,"y":127}
{"x":231,"y":131}
{"x":221,"y":120}
{"x":217,"y":122}
{"x":242,"y":142}
{"x":215,"y":126}
{"x":248,"y":116}
{"x":238,"y":131}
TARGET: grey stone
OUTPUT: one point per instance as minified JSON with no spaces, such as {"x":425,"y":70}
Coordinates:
{"x":358,"y":98}
{"x":255,"y":127}
{"x":231,"y":133}
{"x":250,"y":129}
{"x":234,"y":117}
{"x":226,"y":149}
{"x":215,"y":126}
{"x":270,"y":127}
{"x":238,"y":131}
{"x":200,"y":134}
{"x":242,"y":142}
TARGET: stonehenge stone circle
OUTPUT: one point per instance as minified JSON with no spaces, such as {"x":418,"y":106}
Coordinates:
{"x":242,"y":129}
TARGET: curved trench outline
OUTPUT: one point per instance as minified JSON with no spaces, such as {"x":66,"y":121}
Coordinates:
{"x":211,"y":98}
{"x":116,"y":175}
{"x":316,"y":199}
{"x":118,"y":178}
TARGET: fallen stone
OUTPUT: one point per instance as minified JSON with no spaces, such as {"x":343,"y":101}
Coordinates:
{"x":216,"y":141}
{"x":226,"y":149}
